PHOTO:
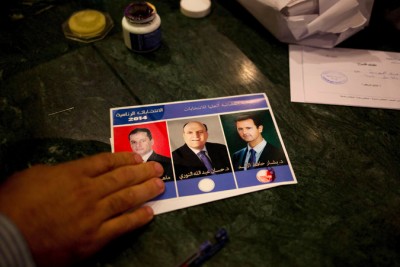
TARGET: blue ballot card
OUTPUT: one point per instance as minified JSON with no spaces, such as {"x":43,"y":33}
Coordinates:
{"x":210,"y":149}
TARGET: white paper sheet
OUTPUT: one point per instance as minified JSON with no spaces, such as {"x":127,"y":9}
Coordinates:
{"x":342,"y":76}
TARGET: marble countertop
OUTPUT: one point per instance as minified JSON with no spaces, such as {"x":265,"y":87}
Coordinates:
{"x":55,"y":96}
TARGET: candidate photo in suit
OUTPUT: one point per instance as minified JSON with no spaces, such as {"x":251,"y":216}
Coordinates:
{"x":141,"y":142}
{"x":198,"y":157}
{"x":258,"y":153}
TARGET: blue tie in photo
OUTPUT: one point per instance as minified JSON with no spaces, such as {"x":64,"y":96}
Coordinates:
{"x":206,"y":161}
{"x":252,"y":159}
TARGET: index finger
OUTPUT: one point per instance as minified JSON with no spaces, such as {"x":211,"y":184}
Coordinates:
{"x":99,"y":164}
{"x":126,"y":176}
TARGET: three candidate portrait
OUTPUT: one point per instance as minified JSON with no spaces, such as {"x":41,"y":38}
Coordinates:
{"x":195,"y":156}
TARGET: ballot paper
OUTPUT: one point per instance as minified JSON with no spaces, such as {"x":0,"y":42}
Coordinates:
{"x":318,"y":23}
{"x":188,"y":181}
{"x":341,"y":76}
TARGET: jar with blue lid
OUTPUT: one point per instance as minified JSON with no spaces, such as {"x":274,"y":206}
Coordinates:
{"x":141,"y":27}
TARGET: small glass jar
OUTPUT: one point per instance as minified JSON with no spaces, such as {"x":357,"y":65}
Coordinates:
{"x":141,"y":27}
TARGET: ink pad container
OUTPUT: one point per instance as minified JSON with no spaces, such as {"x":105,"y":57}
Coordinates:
{"x":141,"y":27}
{"x":87,"y":26}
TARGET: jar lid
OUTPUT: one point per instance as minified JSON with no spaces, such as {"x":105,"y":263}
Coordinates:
{"x":87,"y":26}
{"x":140,"y":12}
{"x":87,"y":23}
{"x":195,"y":8}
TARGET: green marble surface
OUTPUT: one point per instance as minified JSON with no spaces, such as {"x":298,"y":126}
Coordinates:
{"x":344,"y":211}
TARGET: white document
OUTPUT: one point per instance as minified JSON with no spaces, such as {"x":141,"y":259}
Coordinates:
{"x":341,"y":76}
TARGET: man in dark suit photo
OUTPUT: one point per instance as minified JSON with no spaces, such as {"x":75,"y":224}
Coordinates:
{"x":197,"y":157}
{"x":258,"y":153}
{"x":141,"y":141}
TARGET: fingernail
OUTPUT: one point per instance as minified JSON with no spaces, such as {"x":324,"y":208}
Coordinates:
{"x":149,"y":211}
{"x":160,"y":184}
{"x":137,"y":158}
{"x":159,"y":168}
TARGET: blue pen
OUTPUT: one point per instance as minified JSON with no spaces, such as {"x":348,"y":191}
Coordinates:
{"x":207,"y":250}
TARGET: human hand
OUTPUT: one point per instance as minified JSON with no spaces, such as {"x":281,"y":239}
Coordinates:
{"x":69,"y":211}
